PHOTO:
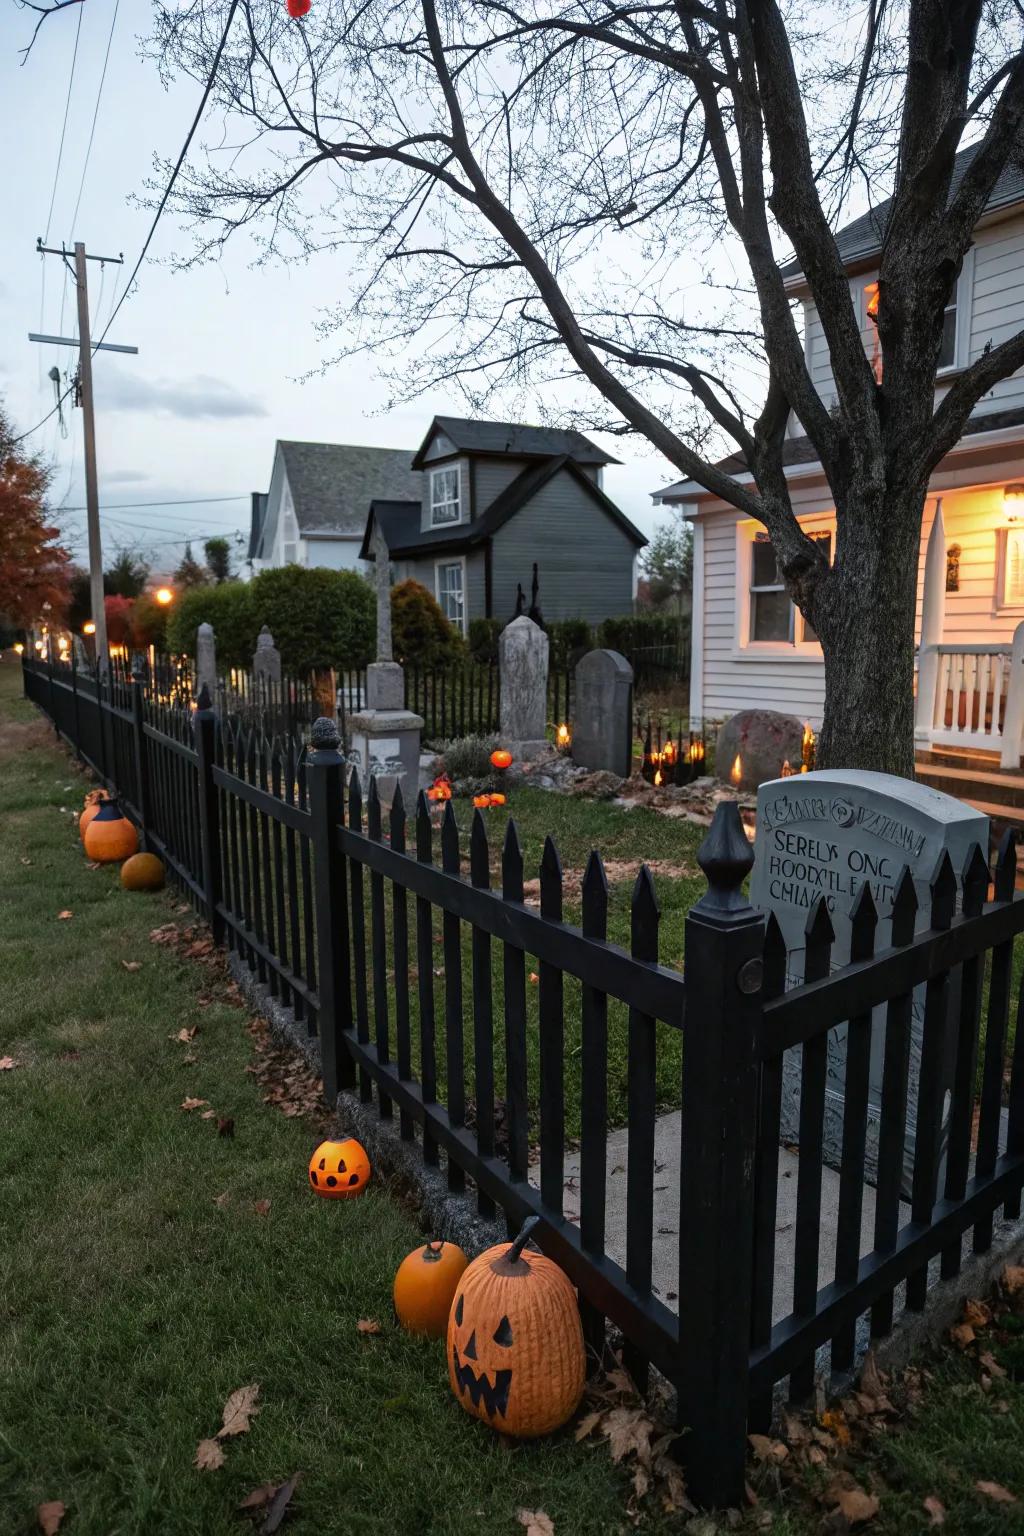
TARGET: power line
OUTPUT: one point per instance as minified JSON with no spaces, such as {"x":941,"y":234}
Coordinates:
{"x":178,"y":165}
{"x":186,"y":501}
{"x":64,"y":128}
{"x":95,"y":115}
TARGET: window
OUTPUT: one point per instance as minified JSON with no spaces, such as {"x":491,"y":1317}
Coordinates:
{"x":948,"y":346}
{"x":444,"y":496}
{"x":774,"y":619}
{"x":1013,"y":568}
{"x":451,"y":592}
{"x":947,"y":351}
{"x":289,"y":534}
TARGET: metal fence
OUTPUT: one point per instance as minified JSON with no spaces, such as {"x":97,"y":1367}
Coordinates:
{"x":337,"y":906}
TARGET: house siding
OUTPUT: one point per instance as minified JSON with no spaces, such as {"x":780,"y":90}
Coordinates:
{"x":423,"y":570}
{"x":585,"y":561}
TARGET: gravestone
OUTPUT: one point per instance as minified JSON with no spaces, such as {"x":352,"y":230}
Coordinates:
{"x":206,"y":659}
{"x":602,"y":735}
{"x":523,"y":660}
{"x":826,"y":834}
{"x":266,"y":663}
{"x":384,"y":738}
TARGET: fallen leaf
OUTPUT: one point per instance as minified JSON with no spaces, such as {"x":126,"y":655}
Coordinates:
{"x":132,"y":965}
{"x":535,"y":1522}
{"x":95,"y":865}
{"x":588,"y":1423}
{"x":7,"y":1063}
{"x":534,"y":978}
{"x":49,"y":1516}
{"x":368,"y":1325}
{"x":26,"y":861}
{"x":766,"y":1449}
{"x":238,"y":1410}
{"x":962,"y":1335}
{"x":62,"y":917}
{"x":184,"y":1035}
{"x":935,"y":1510}
{"x":208,"y":1114}
{"x":856,"y":1505}
{"x":261,"y":1207}
{"x":871,"y":1381}
{"x":208,"y":1457}
{"x":225,"y":1126}
{"x":996,"y":1492}
{"x":1013,"y":1279}
{"x":278,"y":1506}
{"x":188,"y":1103}
{"x":259,"y":1497}
{"x":222,"y":1199}
{"x":977,"y":1313}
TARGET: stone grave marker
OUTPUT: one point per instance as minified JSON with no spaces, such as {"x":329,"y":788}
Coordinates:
{"x":826,"y":834}
{"x":602,"y":734}
{"x":523,"y":658}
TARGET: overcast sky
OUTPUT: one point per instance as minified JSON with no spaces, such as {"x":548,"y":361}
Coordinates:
{"x":222,"y":350}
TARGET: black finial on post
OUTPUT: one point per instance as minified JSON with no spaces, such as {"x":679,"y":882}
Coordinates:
{"x":726,"y":858}
{"x":323,"y":735}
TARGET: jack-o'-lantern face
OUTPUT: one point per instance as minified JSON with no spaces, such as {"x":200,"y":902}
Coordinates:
{"x":515,"y":1345}
{"x":339,"y":1169}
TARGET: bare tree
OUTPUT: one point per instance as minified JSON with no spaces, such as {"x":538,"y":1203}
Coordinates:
{"x":535,"y":192}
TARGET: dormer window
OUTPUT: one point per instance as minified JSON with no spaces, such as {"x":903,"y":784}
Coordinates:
{"x":444,"y":497}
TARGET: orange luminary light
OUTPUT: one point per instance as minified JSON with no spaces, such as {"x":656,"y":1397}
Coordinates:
{"x":658,"y":779}
{"x":501,"y":758}
{"x":736,"y":771}
{"x":441,"y":789}
{"x":669,"y":755}
{"x":563,"y":737}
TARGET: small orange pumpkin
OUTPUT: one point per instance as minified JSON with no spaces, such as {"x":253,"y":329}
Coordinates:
{"x":93,"y":800}
{"x":110,"y":836}
{"x":501,"y":757}
{"x":339,"y":1170}
{"x":143,"y":872}
{"x":497,"y":799}
{"x":425,"y":1287}
{"x":515,"y":1344}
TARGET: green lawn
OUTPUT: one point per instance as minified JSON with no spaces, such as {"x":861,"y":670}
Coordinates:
{"x":132,"y":1304}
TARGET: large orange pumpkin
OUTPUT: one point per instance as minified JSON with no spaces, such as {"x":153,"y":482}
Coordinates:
{"x":110,"y":836}
{"x":515,"y":1344}
{"x":425,"y":1287}
{"x":339,"y":1169}
{"x":93,"y":800}
{"x":143,"y":872}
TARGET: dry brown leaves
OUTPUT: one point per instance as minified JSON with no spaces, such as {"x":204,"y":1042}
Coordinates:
{"x":368,"y":1325}
{"x":132,"y":965}
{"x":996,"y":1492}
{"x":535,"y":1522}
{"x":7,"y":1063}
{"x":190,"y":1103}
{"x":49,"y":1516}
{"x":62,"y":917}
{"x":636,"y":1435}
{"x":934,"y":1509}
{"x":209,"y":1457}
{"x":288,"y":1082}
{"x":239,"y":1411}
{"x":272,"y":1497}
{"x":261,"y":1207}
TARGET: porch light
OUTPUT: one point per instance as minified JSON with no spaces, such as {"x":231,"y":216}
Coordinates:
{"x":1013,"y":501}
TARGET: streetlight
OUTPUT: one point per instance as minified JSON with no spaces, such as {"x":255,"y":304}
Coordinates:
{"x":164,"y":595}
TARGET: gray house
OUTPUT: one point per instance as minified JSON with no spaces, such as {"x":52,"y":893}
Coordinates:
{"x":497,"y":498}
{"x":315,"y":510}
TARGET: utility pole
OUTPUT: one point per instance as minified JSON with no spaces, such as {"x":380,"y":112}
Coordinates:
{"x":92,"y":500}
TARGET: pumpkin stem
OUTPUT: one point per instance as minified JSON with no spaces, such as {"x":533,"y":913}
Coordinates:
{"x":526,"y":1231}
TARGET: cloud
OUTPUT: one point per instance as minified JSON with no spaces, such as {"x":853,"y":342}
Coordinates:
{"x":194,"y":398}
{"x":123,"y":477}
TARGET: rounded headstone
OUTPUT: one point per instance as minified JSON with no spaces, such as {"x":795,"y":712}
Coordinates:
{"x":762,"y":739}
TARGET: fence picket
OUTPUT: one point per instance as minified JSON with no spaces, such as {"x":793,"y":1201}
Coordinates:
{"x":425,"y":975}
{"x":400,"y":940}
{"x":766,"y":1173}
{"x":451,"y":932}
{"x":645,"y":917}
{"x":514,"y":988}
{"x":551,"y":1017}
{"x":357,"y":922}
{"x":483,"y":1009}
{"x":995,"y":1038}
{"x":379,"y":948}
{"x":594,"y":1098}
{"x":961,"y":1113}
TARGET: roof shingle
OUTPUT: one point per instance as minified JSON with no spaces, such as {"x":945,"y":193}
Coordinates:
{"x":332,"y":484}
{"x":516,"y":440}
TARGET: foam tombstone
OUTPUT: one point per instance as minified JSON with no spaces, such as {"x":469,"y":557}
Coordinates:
{"x":515,"y":1344}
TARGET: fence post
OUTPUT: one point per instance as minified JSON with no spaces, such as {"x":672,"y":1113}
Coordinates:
{"x":205,"y":726}
{"x":724,"y":944}
{"x":1013,"y":719}
{"x":140,"y":752}
{"x":325,"y":785}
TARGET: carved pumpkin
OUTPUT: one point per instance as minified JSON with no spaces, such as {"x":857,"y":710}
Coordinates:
{"x":501,"y":757}
{"x":515,"y":1344}
{"x":93,"y":800}
{"x":339,"y":1169}
{"x":110,"y":836}
{"x":425,"y":1287}
{"x":143,"y":872}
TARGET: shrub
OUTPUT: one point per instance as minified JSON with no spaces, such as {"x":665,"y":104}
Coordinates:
{"x":229,"y":608}
{"x":149,"y":622}
{"x":468,"y":757}
{"x":318,"y":617}
{"x":634,"y":632}
{"x":420,"y":631}
{"x":569,"y":639}
{"x":483,"y":639}
{"x":118,"y":612}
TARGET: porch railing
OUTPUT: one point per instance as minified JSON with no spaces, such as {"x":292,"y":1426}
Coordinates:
{"x":972,"y":696}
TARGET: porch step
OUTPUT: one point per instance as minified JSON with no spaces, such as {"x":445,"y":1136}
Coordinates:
{"x":1000,"y":790}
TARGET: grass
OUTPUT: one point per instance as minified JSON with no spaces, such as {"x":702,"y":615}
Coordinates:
{"x":132,"y":1305}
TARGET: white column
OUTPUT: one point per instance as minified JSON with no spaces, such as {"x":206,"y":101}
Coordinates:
{"x":697,"y":629}
{"x":1013,"y":720}
{"x":933,"y":619}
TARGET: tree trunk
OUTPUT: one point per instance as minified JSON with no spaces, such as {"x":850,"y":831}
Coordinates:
{"x":865,"y":613}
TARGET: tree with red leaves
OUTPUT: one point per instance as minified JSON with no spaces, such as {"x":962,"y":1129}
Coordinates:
{"x":34,"y":568}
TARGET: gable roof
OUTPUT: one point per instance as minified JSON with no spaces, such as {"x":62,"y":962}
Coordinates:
{"x":862,"y":238}
{"x":514,"y":439}
{"x":399,"y":520}
{"x":332,"y":484}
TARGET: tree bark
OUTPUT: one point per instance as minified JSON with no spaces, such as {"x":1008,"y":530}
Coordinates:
{"x":865,"y":614}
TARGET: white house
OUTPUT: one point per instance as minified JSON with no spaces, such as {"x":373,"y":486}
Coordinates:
{"x":315,"y":510}
{"x":752,"y":647}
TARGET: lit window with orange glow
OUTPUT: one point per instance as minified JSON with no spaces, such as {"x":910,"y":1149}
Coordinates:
{"x":871,"y":294}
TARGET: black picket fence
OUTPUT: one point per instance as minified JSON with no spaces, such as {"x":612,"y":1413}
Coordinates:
{"x":335,"y":905}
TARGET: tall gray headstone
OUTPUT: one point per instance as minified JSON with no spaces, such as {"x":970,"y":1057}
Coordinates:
{"x":266,"y":663}
{"x":827,"y":834}
{"x":602,"y":731}
{"x":523,"y":660}
{"x":206,"y":659}
{"x":385,"y":680}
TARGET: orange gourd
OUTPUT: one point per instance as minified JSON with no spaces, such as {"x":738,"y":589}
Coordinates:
{"x":143,"y":872}
{"x":339,"y":1170}
{"x":110,"y":836}
{"x":425,"y":1287}
{"x":515,"y":1344}
{"x":93,"y":800}
{"x":501,"y":757}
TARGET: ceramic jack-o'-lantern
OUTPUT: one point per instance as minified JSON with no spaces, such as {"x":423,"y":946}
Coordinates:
{"x":110,"y":836}
{"x":515,"y":1345}
{"x":425,"y":1287}
{"x":339,"y":1170}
